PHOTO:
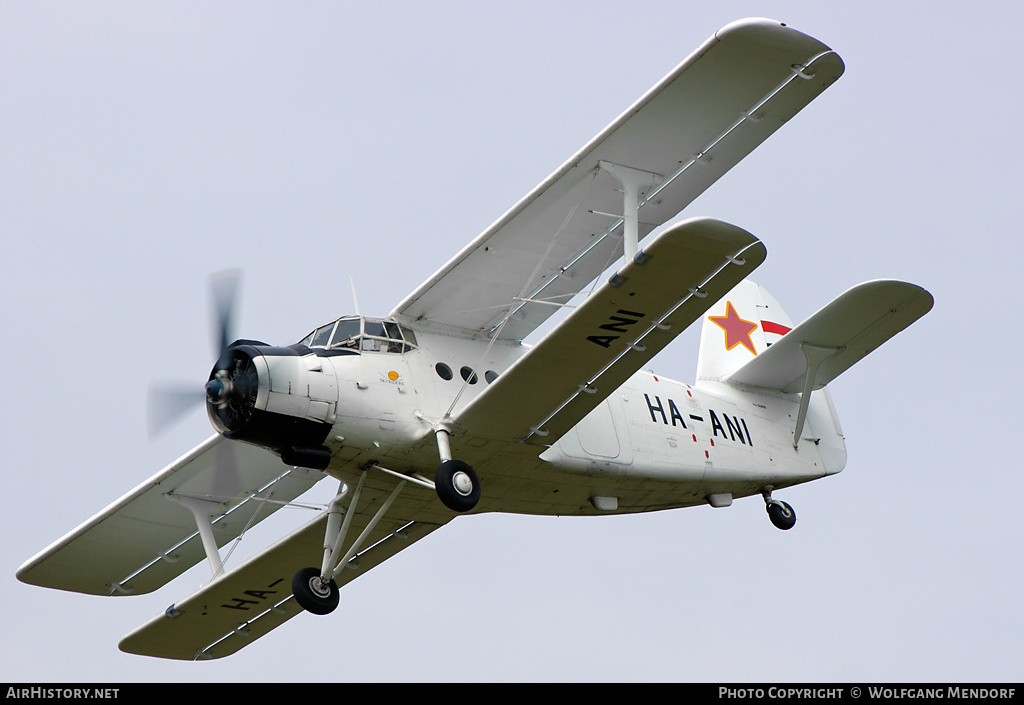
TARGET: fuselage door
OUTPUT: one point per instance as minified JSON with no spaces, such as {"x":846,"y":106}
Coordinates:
{"x":596,"y":433}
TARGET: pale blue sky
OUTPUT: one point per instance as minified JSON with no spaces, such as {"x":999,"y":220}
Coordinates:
{"x":144,"y":146}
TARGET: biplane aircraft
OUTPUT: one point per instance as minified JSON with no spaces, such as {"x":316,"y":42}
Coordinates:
{"x":440,"y":409}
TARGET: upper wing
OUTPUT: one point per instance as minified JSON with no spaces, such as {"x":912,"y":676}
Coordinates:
{"x":707,"y":114}
{"x":646,"y":304}
{"x":234,"y":610}
{"x":144,"y":540}
{"x":833,"y":339}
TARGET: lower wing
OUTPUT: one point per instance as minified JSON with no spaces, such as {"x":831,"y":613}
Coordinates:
{"x":150,"y":536}
{"x":234,"y":610}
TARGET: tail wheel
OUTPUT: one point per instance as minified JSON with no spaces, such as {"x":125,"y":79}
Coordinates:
{"x":781,"y":514}
{"x":457,"y":485}
{"x":314,"y":594}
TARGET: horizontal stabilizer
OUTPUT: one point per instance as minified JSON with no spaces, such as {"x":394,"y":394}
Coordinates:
{"x":833,"y":339}
{"x":670,"y":283}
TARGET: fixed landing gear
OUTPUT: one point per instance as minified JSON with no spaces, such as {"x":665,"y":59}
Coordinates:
{"x":781,"y":514}
{"x":315,"y":588}
{"x":457,"y":485}
{"x":314,"y":594}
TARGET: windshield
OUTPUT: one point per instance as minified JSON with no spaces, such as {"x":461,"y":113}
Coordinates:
{"x":366,"y":334}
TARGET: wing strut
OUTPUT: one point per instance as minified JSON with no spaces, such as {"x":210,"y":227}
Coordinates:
{"x":815,"y":355}
{"x":204,"y":524}
{"x":633,"y":181}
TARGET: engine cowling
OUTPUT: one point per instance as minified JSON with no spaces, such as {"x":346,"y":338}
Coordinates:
{"x":283,"y":399}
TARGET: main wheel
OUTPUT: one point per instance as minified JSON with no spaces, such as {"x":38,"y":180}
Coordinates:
{"x":312,"y":593}
{"x":457,"y":485}
{"x":782,"y":515}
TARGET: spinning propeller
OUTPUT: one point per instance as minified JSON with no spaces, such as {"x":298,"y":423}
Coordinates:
{"x":231,"y":387}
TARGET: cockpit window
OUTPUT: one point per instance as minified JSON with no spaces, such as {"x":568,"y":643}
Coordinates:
{"x":368,"y":334}
{"x":347,"y":333}
{"x":377,"y":338}
{"x":374,"y":328}
{"x":322,"y":335}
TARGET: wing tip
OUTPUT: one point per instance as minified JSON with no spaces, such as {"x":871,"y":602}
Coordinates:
{"x":778,"y":36}
{"x":763,"y":30}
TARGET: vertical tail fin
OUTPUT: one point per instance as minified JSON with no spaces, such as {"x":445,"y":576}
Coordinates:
{"x":739,"y":329}
{"x":742,"y":325}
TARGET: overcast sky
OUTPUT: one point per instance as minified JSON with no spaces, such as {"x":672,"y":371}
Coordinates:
{"x":144,"y":146}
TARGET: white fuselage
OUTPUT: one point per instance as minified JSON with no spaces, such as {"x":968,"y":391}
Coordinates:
{"x":653,"y":443}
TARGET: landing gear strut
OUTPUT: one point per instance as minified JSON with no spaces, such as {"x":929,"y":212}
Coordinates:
{"x":781,"y":514}
{"x":456,"y":483}
{"x":314,"y":588}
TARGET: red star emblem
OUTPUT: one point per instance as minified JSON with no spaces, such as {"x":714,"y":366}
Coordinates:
{"x":737,"y":330}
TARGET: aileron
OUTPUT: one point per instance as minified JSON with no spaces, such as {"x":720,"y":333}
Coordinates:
{"x":691,"y":128}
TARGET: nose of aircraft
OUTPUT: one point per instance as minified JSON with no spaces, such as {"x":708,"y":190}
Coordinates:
{"x":217,"y":390}
{"x":232,"y":389}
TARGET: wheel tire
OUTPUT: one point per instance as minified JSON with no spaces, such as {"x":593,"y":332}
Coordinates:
{"x":312,"y":594}
{"x":457,"y":485}
{"x":782,"y":515}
